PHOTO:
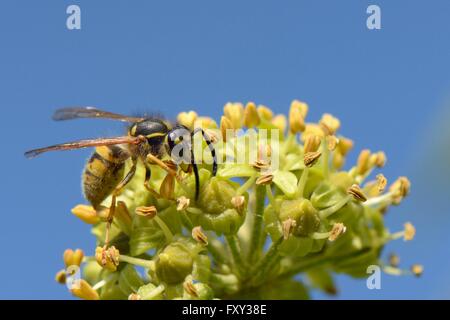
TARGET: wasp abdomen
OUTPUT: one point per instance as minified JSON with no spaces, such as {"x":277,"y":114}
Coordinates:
{"x":103,"y":172}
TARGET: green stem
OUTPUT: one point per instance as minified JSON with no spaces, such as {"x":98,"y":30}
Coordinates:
{"x":255,"y":239}
{"x":302,"y":182}
{"x":233,"y":244}
{"x":137,"y":262}
{"x":270,"y":196}
{"x":165,"y":229}
{"x":186,"y":221}
{"x":247,"y":184}
{"x":263,"y":266}
{"x":326,"y":158}
{"x":217,"y":253}
{"x":325,"y":213}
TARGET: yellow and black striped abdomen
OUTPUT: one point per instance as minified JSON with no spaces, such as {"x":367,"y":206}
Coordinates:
{"x":103,"y":172}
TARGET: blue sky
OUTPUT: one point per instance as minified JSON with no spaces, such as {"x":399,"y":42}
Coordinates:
{"x":389,"y":87}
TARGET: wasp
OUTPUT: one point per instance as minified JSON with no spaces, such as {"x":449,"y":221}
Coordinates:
{"x":147,"y":141}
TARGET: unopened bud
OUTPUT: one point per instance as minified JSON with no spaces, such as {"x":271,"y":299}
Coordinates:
{"x":312,"y":143}
{"x":225,"y":126}
{"x":86,"y":214}
{"x":280,"y":122}
{"x":363,"y":164}
{"x":297,"y":116}
{"x":329,"y":124}
{"x":235,"y":113}
{"x":251,"y":117}
{"x":187,"y":119}
{"x":265,"y":113}
{"x":72,"y":258}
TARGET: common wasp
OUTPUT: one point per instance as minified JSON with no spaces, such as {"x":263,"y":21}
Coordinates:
{"x":147,"y":141}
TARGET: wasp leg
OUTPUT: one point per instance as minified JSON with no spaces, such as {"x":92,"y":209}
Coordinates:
{"x":116,"y":193}
{"x":151,"y":159}
{"x":209,"y":143}
{"x":148,"y":175}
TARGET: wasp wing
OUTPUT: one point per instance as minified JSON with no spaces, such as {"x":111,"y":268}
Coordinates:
{"x":85,"y":144}
{"x":90,"y":112}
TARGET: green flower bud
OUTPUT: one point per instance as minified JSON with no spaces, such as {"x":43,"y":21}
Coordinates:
{"x":215,"y":209}
{"x":174,"y":263}
{"x":304,"y":214}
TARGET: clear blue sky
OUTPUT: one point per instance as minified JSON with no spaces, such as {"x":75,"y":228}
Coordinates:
{"x":389,"y":88}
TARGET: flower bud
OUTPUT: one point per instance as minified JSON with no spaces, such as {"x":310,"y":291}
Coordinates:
{"x":304,"y":214}
{"x":174,"y":263}
{"x":187,"y":119}
{"x":378,"y":159}
{"x":329,"y":124}
{"x":72,"y":258}
{"x":297,"y":115}
{"x":234,"y":112}
{"x":205,"y":123}
{"x":344,"y":145}
{"x":363,"y":164}
{"x":280,"y":122}
{"x":218,"y":210}
{"x":225,"y":127}
{"x":86,"y":214}
{"x":338,"y":160}
{"x":84,"y":291}
{"x":312,"y":143}
{"x":61,"y":276}
{"x":332,"y":142}
{"x":251,"y":117}
{"x":265,"y":113}
{"x":312,"y":129}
